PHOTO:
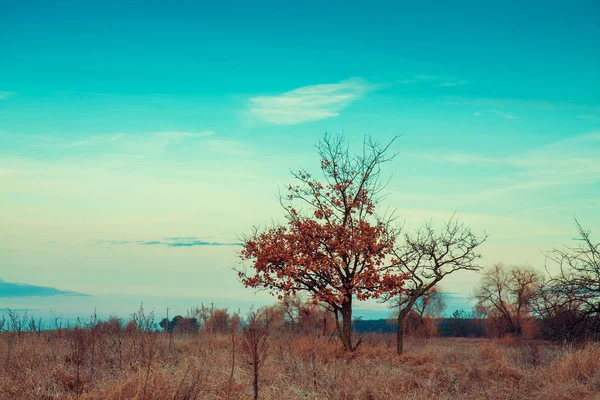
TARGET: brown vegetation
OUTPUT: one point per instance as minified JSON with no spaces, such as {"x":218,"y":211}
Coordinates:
{"x":144,"y":365}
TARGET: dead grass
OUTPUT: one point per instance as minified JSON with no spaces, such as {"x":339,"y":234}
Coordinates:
{"x":140,"y":366}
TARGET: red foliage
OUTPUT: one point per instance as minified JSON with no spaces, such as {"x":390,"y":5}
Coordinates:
{"x":327,"y":259}
{"x":337,"y":248}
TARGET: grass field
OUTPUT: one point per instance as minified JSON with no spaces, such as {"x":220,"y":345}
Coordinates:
{"x":206,"y":366}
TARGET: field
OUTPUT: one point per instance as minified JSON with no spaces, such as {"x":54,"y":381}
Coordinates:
{"x":133,"y":365}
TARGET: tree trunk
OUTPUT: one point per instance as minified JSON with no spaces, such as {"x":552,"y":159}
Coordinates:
{"x":255,"y":385}
{"x":518,"y":330}
{"x":400,"y":333}
{"x":347,"y":325}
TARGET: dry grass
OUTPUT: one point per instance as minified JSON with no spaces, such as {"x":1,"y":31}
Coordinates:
{"x":148,"y":366}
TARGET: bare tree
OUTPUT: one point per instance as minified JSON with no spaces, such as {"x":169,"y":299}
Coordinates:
{"x":506,"y":296}
{"x":426,"y":257}
{"x":570,"y":300}
{"x":255,"y":345}
{"x":431,"y":304}
{"x":561,"y":314}
{"x":420,"y":321}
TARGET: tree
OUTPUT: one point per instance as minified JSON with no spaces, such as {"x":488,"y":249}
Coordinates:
{"x":431,"y":304}
{"x":561,"y":315}
{"x":425,"y":258}
{"x":458,"y":323}
{"x":421,"y":320}
{"x":219,"y":321}
{"x":335,"y":248}
{"x":569,"y":302}
{"x":165,"y":324}
{"x":506,"y":295}
{"x":301,"y":314}
{"x":255,"y":345}
{"x":462,"y":324}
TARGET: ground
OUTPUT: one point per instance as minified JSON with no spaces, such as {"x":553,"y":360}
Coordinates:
{"x":129,"y":365}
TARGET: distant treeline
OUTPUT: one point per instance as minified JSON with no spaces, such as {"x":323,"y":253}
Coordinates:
{"x":443,"y":327}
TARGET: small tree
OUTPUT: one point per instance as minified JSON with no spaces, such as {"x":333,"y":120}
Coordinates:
{"x":219,"y":321}
{"x":506,"y":295}
{"x":303,"y":315}
{"x":255,"y":345}
{"x":421,"y":319}
{"x":462,"y":324}
{"x":425,"y":258}
{"x":180,"y":324}
{"x":334,"y":248}
{"x":431,"y":304}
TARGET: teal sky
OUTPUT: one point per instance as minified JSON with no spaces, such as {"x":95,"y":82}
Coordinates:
{"x":138,"y":140}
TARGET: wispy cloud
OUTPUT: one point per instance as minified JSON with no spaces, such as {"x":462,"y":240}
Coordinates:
{"x":498,"y":113}
{"x":460,"y":158}
{"x":123,"y":149}
{"x":9,"y":289}
{"x":168,"y":242}
{"x":453,"y":83}
{"x":504,"y":103}
{"x":5,"y":95}
{"x":569,"y":161}
{"x":419,"y":78}
{"x":433,"y":80}
{"x":316,"y":102}
{"x":140,"y":142}
{"x":227,"y":147}
{"x":427,"y":77}
{"x":308,"y":103}
{"x":119,"y":149}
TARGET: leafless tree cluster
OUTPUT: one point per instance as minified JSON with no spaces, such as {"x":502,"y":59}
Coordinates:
{"x":298,"y":314}
{"x":562,"y":306}
{"x":569,"y":301}
{"x":506,"y":295}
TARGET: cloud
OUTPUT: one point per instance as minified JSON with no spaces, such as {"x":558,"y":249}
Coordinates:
{"x":117,"y":150}
{"x":168,"y":242}
{"x":125,"y":149}
{"x":453,"y":83}
{"x":227,"y":147}
{"x":5,"y":95}
{"x":489,"y":103}
{"x":497,"y":113}
{"x":503,"y":114}
{"x":569,"y":161}
{"x":138,"y":142}
{"x":8,"y":289}
{"x":308,"y":103}
{"x":573,"y":158}
{"x":461,"y":158}
{"x":316,"y":102}
{"x":433,"y":80}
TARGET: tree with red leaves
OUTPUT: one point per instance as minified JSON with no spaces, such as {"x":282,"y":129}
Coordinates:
{"x":334,"y":246}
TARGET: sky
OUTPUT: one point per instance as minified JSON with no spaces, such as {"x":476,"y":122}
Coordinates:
{"x":138,"y":141}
